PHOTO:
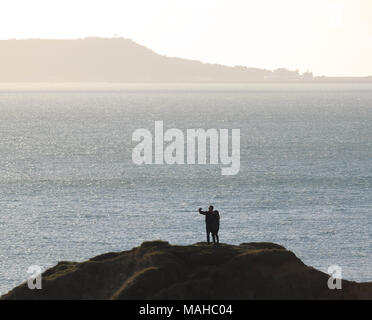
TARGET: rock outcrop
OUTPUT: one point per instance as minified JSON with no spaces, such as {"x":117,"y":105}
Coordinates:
{"x":158,"y":270}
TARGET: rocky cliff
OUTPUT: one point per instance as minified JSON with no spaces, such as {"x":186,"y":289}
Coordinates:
{"x":158,"y":270}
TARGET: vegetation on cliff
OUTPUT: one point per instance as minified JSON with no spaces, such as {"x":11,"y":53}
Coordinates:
{"x":158,"y":270}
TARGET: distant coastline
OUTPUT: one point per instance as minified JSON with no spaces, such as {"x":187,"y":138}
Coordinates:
{"x":119,"y":60}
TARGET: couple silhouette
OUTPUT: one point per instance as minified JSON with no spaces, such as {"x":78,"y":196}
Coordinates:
{"x":212,"y":223}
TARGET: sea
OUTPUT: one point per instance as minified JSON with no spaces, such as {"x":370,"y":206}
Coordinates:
{"x":69,"y":189}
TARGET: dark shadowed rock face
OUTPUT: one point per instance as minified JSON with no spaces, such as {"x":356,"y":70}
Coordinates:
{"x":157,"y":270}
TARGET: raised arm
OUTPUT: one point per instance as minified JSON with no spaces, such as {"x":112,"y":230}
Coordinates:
{"x":202,"y":212}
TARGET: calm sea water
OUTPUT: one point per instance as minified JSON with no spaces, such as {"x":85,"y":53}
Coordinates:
{"x":69,"y":190}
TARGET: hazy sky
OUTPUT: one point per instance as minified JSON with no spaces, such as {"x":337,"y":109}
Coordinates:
{"x":332,"y":37}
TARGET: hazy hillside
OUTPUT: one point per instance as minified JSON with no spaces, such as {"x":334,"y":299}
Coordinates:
{"x":119,"y":60}
{"x":99,"y":59}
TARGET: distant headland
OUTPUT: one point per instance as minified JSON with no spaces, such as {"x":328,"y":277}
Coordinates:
{"x":123,"y":60}
{"x":158,"y":270}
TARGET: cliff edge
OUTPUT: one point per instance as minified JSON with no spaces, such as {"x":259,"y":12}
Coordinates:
{"x":158,"y":270}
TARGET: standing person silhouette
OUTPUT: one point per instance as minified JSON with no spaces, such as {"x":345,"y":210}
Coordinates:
{"x":212,"y":223}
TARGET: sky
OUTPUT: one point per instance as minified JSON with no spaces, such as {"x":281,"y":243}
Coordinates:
{"x":327,"y":37}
